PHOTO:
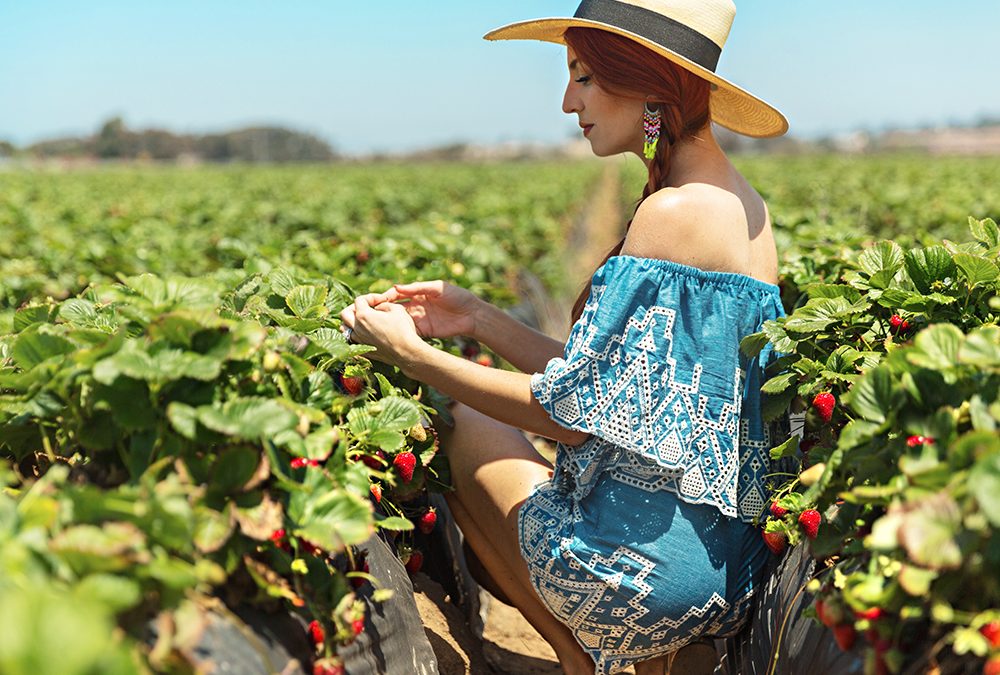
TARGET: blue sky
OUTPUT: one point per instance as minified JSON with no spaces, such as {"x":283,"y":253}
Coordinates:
{"x":389,"y":74}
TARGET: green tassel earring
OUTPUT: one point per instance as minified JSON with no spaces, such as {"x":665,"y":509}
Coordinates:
{"x":651,"y":126}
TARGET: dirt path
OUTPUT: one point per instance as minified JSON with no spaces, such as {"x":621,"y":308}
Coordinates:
{"x":595,"y":231}
{"x":509,"y":645}
{"x":599,"y":228}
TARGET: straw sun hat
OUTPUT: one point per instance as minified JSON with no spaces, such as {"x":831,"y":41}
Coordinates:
{"x":691,"y":33}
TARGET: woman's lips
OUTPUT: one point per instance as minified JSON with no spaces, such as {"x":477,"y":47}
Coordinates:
{"x":587,"y":128}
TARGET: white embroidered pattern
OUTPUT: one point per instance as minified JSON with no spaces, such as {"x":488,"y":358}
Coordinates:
{"x":606,"y":599}
{"x":630,"y":392}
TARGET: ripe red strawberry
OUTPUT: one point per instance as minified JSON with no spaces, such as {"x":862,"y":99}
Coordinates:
{"x":405,"y":462}
{"x":899,"y":324}
{"x":830,"y":613}
{"x":328,"y":667}
{"x":845,"y":635}
{"x":914,"y":441}
{"x":427,"y":520}
{"x":376,"y":462}
{"x":821,"y":612}
{"x":810,"y":520}
{"x":992,"y":667}
{"x":415,"y":562}
{"x":280,"y":540}
{"x":776,"y":541}
{"x":991,"y":632}
{"x":352,"y":384}
{"x":824,"y":402}
{"x":871,"y":614}
{"x":376,"y":490}
{"x":316,"y":632}
{"x":777,"y":511}
{"x":301,"y":462}
{"x":358,"y":626}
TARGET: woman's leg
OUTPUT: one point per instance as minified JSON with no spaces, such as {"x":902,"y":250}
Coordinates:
{"x":494,"y":469}
{"x":657,"y":666}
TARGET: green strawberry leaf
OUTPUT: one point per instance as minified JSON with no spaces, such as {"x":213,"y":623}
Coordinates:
{"x":752,"y":345}
{"x":976,"y":269}
{"x":928,"y":532}
{"x":32,"y":348}
{"x":234,"y":468}
{"x":307,"y":302}
{"x":936,"y":347}
{"x":929,"y":267}
{"x":883,"y":257}
{"x":981,"y":347}
{"x":248,"y":418}
{"x":916,"y":581}
{"x":789,"y":448}
{"x":29,"y":316}
{"x":984,"y":483}
{"x":873,"y":396}
{"x":985,"y":231}
{"x":777,"y":385}
{"x":394,"y":524}
{"x":832,"y":291}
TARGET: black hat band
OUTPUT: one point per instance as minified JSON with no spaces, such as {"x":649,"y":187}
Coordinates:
{"x":654,"y":27}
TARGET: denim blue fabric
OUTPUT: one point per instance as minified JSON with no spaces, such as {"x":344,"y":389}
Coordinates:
{"x":642,"y":540}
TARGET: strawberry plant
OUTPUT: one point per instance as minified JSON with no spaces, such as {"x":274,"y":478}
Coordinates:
{"x":172,"y":446}
{"x":905,"y":469}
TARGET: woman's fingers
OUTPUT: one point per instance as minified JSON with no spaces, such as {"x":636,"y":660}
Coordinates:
{"x":374,"y":299}
{"x":348,"y":316}
{"x":431,"y":289}
{"x":391,"y":295}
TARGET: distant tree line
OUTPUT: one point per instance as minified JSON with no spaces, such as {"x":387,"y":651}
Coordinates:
{"x":114,"y":140}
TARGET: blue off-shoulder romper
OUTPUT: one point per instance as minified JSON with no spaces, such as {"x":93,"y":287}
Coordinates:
{"x":642,"y":541}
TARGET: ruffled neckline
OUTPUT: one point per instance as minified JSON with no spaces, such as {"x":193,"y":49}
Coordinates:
{"x":734,"y":280}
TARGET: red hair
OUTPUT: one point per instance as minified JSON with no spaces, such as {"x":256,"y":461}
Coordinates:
{"x":623,"y":67}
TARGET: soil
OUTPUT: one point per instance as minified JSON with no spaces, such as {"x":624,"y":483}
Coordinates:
{"x":509,"y":646}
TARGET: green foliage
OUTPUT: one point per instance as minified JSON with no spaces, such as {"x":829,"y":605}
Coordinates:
{"x":911,"y":456}
{"x":174,"y":427}
{"x":174,"y":424}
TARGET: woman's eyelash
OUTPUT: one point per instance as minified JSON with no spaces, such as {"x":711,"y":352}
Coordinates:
{"x":583,"y":79}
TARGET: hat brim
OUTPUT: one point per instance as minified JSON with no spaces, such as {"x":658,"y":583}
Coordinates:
{"x":733,"y":107}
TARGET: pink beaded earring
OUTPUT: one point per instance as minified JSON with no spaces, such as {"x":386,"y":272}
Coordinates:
{"x":651,"y":125}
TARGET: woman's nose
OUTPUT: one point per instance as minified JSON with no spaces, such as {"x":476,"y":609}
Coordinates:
{"x":571,"y":102}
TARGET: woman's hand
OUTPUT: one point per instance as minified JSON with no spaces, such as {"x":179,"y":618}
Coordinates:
{"x":438,"y":309}
{"x":385,"y":325}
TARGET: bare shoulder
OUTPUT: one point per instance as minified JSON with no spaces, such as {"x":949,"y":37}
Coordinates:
{"x":697,"y":224}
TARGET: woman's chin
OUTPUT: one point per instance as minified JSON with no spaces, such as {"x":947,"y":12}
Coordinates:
{"x":606,"y":150}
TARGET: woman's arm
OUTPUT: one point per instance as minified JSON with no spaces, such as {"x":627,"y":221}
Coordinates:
{"x":525,"y":348}
{"x":502,"y":395}
{"x":442,"y":310}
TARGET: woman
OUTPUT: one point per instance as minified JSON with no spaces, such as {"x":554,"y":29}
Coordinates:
{"x":640,"y":539}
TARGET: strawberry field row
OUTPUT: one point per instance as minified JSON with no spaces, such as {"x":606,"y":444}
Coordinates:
{"x":476,"y":225}
{"x":181,"y":420}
